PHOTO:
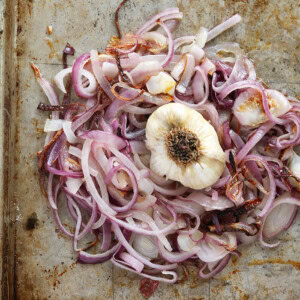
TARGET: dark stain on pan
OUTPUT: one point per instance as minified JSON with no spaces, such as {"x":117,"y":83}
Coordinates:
{"x":7,"y":247}
{"x":32,"y":222}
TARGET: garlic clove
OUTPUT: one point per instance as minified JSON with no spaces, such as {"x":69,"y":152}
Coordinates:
{"x":110,"y":70}
{"x":184,"y":146}
{"x":248,"y":107}
{"x":162,"y":83}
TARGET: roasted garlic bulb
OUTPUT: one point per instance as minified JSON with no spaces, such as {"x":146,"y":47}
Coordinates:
{"x":184,"y":146}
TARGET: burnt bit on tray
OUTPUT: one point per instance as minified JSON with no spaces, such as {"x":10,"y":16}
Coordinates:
{"x":32,"y":221}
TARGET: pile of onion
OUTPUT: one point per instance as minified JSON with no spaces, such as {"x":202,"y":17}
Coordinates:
{"x":95,"y":159}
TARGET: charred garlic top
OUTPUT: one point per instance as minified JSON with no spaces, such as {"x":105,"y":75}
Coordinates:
{"x":184,"y":146}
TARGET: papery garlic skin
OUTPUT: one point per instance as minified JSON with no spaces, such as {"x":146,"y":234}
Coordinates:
{"x":206,"y":165}
{"x":248,"y":107}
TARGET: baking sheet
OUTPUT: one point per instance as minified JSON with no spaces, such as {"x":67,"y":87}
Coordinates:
{"x":40,"y":263}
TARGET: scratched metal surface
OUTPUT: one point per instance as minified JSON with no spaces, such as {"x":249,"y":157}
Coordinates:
{"x":40,"y":263}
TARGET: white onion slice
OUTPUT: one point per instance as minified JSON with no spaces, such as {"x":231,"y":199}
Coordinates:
{"x":92,"y":87}
{"x":75,"y":151}
{"x":71,"y":137}
{"x":201,"y":37}
{"x":59,"y":79}
{"x":74,"y":184}
{"x":197,"y":52}
{"x":189,"y":70}
{"x":53,"y":125}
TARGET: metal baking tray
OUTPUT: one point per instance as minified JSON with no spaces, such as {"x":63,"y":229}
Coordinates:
{"x":39,"y":263}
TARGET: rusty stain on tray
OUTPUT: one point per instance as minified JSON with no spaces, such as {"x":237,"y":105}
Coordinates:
{"x":257,"y":262}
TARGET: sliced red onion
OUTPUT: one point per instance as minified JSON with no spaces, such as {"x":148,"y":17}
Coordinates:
{"x":210,"y":252}
{"x":74,"y":184}
{"x":87,"y":258}
{"x":162,"y":279}
{"x":98,"y":72}
{"x":179,"y":67}
{"x":154,"y":177}
{"x":77,"y":73}
{"x":64,"y":173}
{"x":197,"y":52}
{"x":183,"y":41}
{"x":131,"y":251}
{"x":201,"y":37}
{"x":153,"y":21}
{"x":173,"y":192}
{"x":47,"y":88}
{"x":281,"y":215}
{"x":255,"y":138}
{"x":144,"y":70}
{"x":50,"y":192}
{"x":59,"y":79}
{"x":146,"y":203}
{"x":105,"y":138}
{"x":237,"y":140}
{"x":176,"y":257}
{"x":138,"y":147}
{"x":198,"y":87}
{"x":103,"y":206}
{"x":134,"y":185}
{"x":71,"y":137}
{"x":205,"y":201}
{"x":222,"y":182}
{"x":187,"y":74}
{"x":187,"y":242}
{"x":200,"y":104}
{"x":212,"y":52}
{"x":269,"y":198}
{"x":132,"y":261}
{"x":223,"y":26}
{"x":212,"y":113}
{"x":221,"y":265}
{"x":155,"y":37}
{"x":170,"y":45}
{"x":227,"y":240}
{"x":208,"y":66}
